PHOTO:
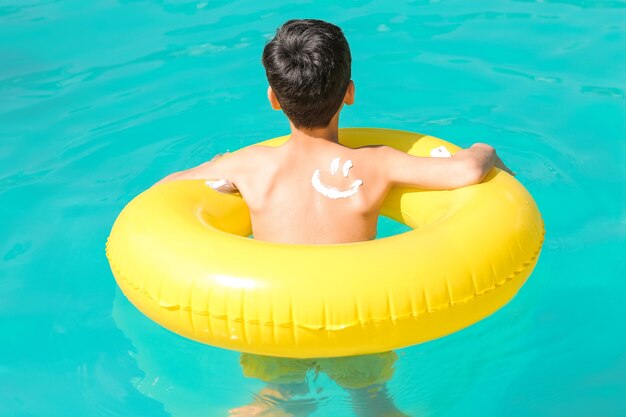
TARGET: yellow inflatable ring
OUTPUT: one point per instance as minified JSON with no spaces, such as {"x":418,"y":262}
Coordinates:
{"x":179,"y":251}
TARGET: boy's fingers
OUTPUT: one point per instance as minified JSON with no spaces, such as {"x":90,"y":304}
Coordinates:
{"x":499,"y":164}
{"x":219,"y":155}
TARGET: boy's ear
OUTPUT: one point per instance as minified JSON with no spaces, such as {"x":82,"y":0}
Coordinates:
{"x":349,"y":97}
{"x":272,"y":99}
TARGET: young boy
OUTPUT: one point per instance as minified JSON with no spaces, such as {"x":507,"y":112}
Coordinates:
{"x":308,"y":69}
{"x":341,"y":189}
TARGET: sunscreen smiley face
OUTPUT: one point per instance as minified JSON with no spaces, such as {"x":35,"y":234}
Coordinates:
{"x":332,"y":192}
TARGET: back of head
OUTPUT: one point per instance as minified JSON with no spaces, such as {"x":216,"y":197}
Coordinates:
{"x":308,"y":67}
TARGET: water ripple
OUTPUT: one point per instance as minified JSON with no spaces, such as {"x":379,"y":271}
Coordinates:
{"x":613,"y":92}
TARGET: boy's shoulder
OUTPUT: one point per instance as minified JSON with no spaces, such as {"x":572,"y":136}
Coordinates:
{"x":257,"y":158}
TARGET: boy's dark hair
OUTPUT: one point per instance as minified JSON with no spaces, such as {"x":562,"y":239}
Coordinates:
{"x":308,"y":67}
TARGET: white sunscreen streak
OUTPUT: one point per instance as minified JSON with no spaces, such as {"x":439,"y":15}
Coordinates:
{"x":217,"y":184}
{"x":332,"y":192}
{"x":334,"y":166}
{"x":222,"y":186}
{"x":346,"y":168}
{"x":440,"y":152}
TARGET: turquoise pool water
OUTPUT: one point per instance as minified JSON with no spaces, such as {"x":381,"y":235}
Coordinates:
{"x":99,"y":99}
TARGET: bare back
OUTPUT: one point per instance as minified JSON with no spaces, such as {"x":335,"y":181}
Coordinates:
{"x":317,"y":192}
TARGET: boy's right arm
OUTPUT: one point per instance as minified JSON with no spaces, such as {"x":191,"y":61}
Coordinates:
{"x":224,"y":166}
{"x":467,"y":167}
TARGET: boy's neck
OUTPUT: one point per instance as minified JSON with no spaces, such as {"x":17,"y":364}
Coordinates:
{"x":329,"y":133}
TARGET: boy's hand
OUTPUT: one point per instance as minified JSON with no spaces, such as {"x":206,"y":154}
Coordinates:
{"x":219,"y":155}
{"x":499,"y":164}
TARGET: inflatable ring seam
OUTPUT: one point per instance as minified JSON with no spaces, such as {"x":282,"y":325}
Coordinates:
{"x":413,"y":315}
